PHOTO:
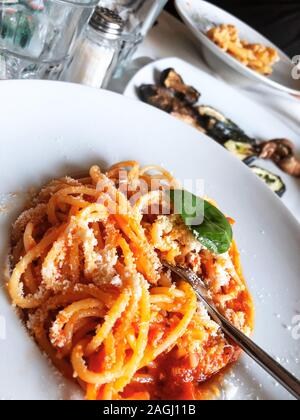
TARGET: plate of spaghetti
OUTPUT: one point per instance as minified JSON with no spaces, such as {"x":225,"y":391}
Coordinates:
{"x":87,"y":308}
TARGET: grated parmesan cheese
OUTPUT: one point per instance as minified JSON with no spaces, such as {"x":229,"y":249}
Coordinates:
{"x":116,"y":281}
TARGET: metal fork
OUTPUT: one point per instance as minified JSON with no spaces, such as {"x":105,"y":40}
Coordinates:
{"x":278,"y":372}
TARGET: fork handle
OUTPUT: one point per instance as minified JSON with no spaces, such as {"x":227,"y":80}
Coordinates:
{"x":278,"y":372}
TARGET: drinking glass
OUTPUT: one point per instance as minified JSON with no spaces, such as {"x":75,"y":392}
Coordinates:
{"x":38,"y":36}
{"x":139,"y":15}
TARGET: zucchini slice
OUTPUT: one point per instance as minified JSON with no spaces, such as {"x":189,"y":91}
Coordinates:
{"x":273,"y":181}
{"x":165,"y":99}
{"x":157,"y":96}
{"x":221,"y":128}
{"x":242,"y":151}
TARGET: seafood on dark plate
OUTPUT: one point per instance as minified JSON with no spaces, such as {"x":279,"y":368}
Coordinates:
{"x":174,"y":82}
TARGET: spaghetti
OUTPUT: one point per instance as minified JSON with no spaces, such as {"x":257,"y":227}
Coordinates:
{"x":87,"y":273}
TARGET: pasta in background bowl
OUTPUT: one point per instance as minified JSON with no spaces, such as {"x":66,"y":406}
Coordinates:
{"x":196,"y":14}
{"x":257,"y":57}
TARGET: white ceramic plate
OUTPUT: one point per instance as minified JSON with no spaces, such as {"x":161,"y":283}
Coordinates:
{"x":251,"y":117}
{"x":51,"y":129}
{"x":193,"y":10}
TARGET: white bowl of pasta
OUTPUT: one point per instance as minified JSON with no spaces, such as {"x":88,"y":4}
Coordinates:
{"x":237,"y":52}
{"x":85,"y":270}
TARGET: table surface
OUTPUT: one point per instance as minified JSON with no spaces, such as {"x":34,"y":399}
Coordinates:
{"x":171,"y":38}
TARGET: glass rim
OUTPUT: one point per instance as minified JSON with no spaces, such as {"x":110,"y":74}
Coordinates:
{"x":80,"y":4}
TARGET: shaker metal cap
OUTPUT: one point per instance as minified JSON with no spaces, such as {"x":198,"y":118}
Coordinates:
{"x":107,"y":21}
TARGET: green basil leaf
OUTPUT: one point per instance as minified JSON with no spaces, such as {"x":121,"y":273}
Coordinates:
{"x":208,"y":224}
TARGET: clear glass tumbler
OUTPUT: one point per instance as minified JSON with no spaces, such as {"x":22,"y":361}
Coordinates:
{"x":140,"y":16}
{"x":38,"y":36}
